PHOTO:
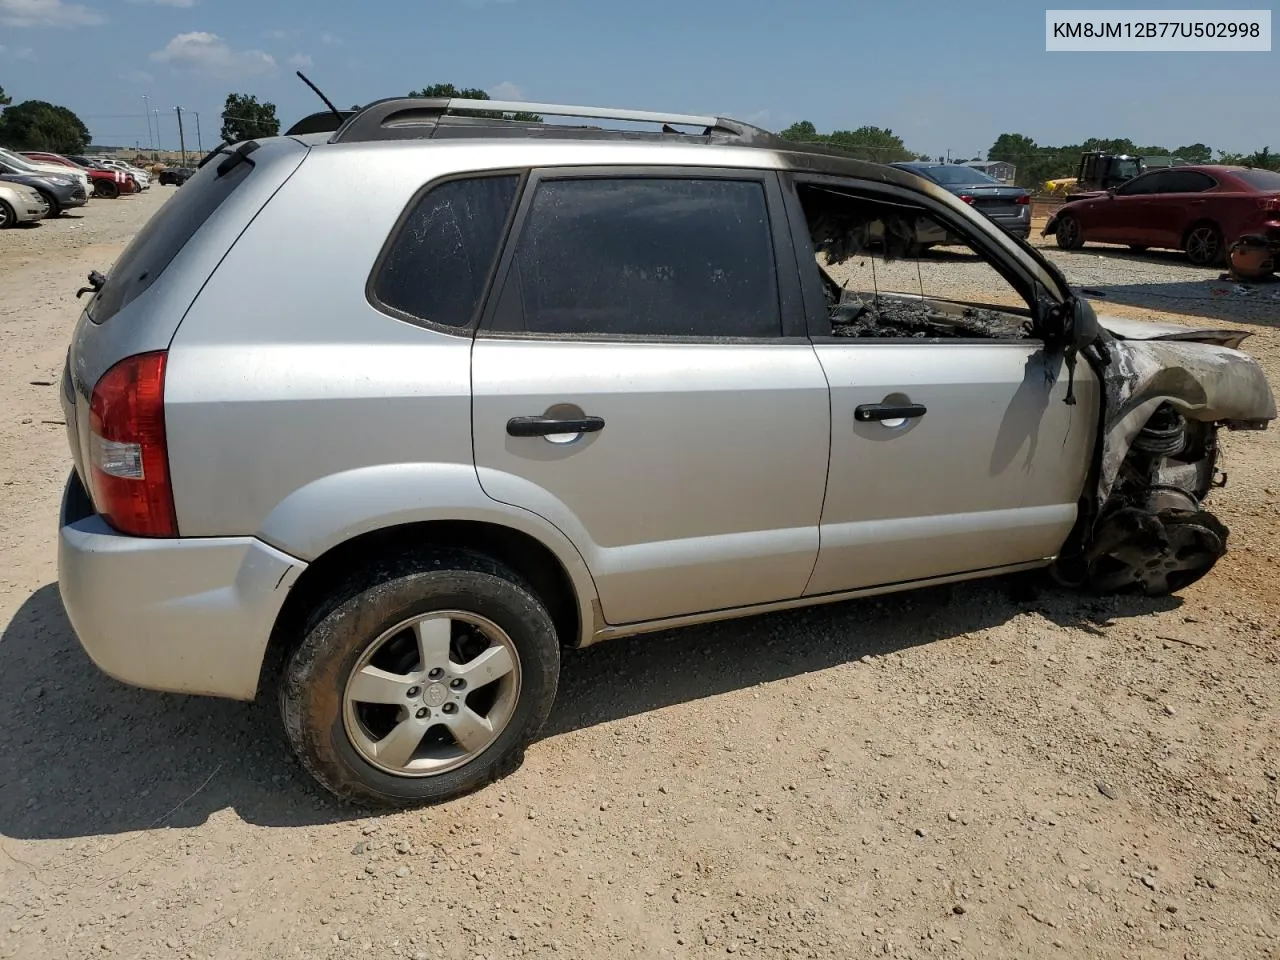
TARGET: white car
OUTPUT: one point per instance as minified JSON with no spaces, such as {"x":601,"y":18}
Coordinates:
{"x":11,"y":162}
{"x":20,"y":204}
{"x":141,"y":176}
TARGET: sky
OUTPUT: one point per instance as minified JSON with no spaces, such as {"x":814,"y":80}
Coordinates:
{"x":945,"y":76}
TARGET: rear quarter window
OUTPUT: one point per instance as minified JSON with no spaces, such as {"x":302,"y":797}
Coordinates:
{"x":164,"y":235}
{"x":438,"y":263}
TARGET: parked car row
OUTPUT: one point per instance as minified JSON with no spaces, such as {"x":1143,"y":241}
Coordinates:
{"x":35,"y":184}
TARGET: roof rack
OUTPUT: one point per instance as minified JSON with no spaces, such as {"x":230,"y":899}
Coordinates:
{"x":409,"y":118}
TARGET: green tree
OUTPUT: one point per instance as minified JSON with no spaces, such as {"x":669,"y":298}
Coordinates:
{"x":5,"y":99}
{"x":37,"y":125}
{"x":244,"y":118}
{"x":878,"y":144}
{"x":1195,"y":153}
{"x":448,"y":90}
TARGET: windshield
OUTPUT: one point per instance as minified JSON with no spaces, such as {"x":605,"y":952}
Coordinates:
{"x":1261,"y":179}
{"x":957,"y":174}
{"x":13,"y":160}
{"x":1127,"y":169}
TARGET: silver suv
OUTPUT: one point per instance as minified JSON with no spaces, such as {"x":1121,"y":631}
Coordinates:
{"x":522,"y":386}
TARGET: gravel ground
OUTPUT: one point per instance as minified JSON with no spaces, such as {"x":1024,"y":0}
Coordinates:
{"x":991,"y":770}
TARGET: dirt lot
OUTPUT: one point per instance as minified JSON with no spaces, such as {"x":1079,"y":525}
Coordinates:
{"x":993,"y":770}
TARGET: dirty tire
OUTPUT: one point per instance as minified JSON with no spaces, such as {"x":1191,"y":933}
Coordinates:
{"x":1068,"y":233}
{"x":106,"y":189}
{"x":314,"y":682}
{"x":55,"y":208}
{"x":1203,"y":244}
{"x":7,"y":217}
{"x":1154,"y":554}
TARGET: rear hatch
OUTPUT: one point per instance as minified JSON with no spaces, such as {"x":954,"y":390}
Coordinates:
{"x":995,"y":201}
{"x":159,"y":274}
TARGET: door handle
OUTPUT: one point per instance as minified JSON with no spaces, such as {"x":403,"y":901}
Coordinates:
{"x":550,"y":426}
{"x":868,"y":412}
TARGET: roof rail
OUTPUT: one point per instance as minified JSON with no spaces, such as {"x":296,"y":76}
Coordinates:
{"x":408,"y":118}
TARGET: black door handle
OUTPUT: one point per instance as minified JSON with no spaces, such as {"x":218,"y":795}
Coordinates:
{"x":549,"y":426}
{"x":867,"y":412}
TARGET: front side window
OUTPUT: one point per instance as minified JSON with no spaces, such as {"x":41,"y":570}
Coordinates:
{"x":1186,"y":181}
{"x":644,"y":256}
{"x":1140,"y":186}
{"x":439,"y":262}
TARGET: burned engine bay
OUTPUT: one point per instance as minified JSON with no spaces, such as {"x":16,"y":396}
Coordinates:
{"x":1142,"y":526}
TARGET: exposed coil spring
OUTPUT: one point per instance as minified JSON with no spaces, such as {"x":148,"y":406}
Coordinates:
{"x":1164,"y":435}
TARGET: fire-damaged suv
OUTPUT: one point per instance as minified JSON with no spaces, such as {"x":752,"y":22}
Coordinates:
{"x":550,"y":384}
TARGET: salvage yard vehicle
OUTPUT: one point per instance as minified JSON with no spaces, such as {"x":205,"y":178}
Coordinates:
{"x":104,"y":182}
{"x":20,"y":204}
{"x":551,"y":385}
{"x":14,"y":163}
{"x":175,"y":175}
{"x":1201,"y":210}
{"x":60,"y":193}
{"x":1009,"y":206}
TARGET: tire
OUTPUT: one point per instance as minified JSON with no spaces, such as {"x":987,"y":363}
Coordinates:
{"x":1068,"y":233}
{"x":1138,"y":248}
{"x":55,"y":208}
{"x":356,"y":747}
{"x":7,"y":217}
{"x":107,"y":189}
{"x":1203,"y":244}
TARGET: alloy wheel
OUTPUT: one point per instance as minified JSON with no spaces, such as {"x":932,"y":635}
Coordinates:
{"x":431,"y":693}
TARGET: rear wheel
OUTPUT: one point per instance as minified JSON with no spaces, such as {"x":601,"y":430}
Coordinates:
{"x":107,"y":189}
{"x":1068,"y":234}
{"x":1204,"y":244}
{"x":426,"y":682}
{"x":7,"y":216}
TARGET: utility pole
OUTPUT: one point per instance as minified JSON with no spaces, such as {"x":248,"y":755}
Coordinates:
{"x":146,"y":102}
{"x":159,"y":145}
{"x":182,"y":143}
{"x":199,"y":142}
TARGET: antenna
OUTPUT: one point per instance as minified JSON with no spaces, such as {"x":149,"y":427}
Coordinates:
{"x":327,"y":102}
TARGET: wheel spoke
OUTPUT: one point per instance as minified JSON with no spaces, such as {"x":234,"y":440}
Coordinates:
{"x":491,"y":665}
{"x":471,"y":730}
{"x":396,"y":749}
{"x":433,"y":636}
{"x":374,"y":685}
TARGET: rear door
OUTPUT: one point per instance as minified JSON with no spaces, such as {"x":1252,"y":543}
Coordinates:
{"x":642,"y":379}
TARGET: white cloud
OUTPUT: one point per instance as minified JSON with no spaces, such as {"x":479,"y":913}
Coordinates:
{"x":16,"y":53}
{"x":507,"y":90}
{"x":209,"y":53}
{"x":181,"y":4}
{"x":330,"y":40}
{"x":300,"y":60}
{"x":47,"y":13}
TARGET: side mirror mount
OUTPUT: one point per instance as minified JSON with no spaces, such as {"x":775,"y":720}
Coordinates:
{"x":1111,"y":191}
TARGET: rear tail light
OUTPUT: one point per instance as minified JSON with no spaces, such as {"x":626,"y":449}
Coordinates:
{"x":966,"y":198}
{"x":1023,"y":200}
{"x":1270,"y":204}
{"x":129,"y":458}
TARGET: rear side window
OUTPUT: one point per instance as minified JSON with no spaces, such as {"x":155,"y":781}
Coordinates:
{"x":439,"y":262}
{"x":157,"y":243}
{"x":1186,"y":181}
{"x":644,"y":257}
{"x":1259,"y":179}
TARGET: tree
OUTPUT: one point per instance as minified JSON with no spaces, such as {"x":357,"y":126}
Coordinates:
{"x":878,"y":144}
{"x":1195,"y":153}
{"x":4,"y":99}
{"x":449,"y":91}
{"x":37,"y":125}
{"x":244,"y":118}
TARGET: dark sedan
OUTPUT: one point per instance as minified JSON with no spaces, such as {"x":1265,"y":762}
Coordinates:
{"x":61,"y":193}
{"x":1200,"y":210}
{"x":1010,"y":207}
{"x":175,"y":175}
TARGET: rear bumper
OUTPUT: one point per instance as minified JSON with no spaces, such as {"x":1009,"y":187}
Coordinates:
{"x":184,"y":615}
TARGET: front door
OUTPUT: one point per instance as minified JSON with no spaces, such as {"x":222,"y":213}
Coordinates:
{"x":642,"y":379}
{"x":952,"y":449}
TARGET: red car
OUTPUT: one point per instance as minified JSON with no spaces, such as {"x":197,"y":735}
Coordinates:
{"x":1199,"y":209}
{"x":106,"y":183}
